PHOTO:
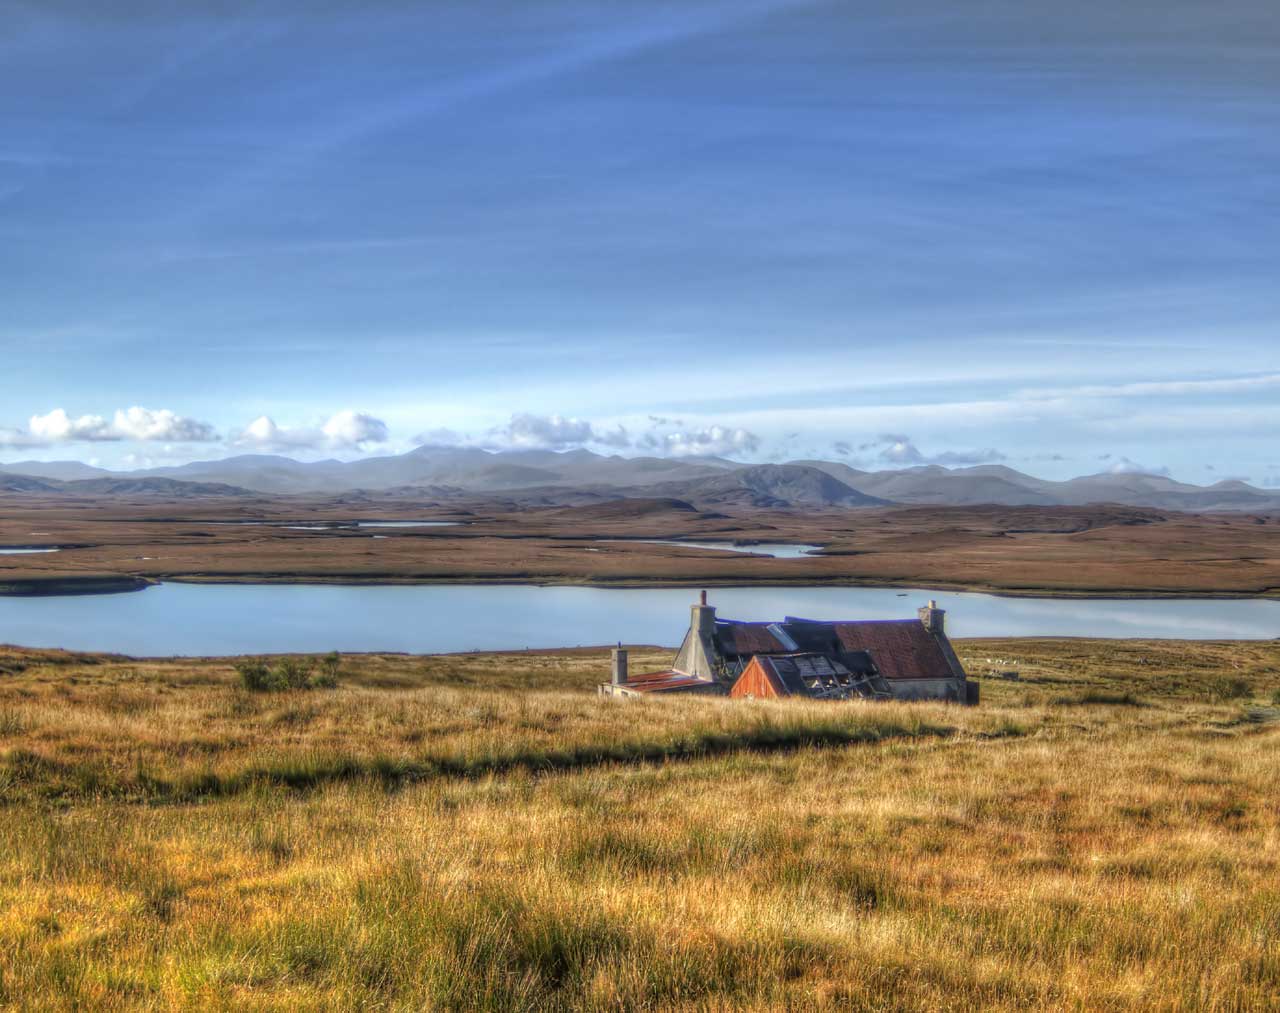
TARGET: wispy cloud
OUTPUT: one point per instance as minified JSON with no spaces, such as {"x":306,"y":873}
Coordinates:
{"x":680,"y":24}
{"x":1160,"y":388}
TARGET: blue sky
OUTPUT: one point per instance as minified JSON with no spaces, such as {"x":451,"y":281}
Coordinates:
{"x":1028,"y":232}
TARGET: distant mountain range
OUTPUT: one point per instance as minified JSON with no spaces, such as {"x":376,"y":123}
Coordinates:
{"x":540,"y":476}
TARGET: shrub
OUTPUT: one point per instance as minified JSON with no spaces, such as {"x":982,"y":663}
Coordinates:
{"x":294,"y":673}
{"x":1097,"y":697}
{"x":289,"y":674}
{"x":1229,"y":689}
{"x":255,"y":676}
{"x":330,"y":667}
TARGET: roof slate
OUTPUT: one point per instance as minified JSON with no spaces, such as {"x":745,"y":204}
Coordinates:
{"x":902,"y":648}
{"x":745,"y":639}
{"x":899,"y":648}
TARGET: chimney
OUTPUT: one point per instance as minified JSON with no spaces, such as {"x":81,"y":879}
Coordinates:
{"x":619,"y":665}
{"x":933,"y":618}
{"x":703,"y":620}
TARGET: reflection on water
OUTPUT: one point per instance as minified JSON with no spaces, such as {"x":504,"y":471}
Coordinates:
{"x":778,"y":550}
{"x":331,"y":525}
{"x":236,"y":619}
{"x":407,"y":524}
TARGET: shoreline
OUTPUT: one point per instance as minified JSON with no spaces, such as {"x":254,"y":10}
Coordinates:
{"x":71,"y":586}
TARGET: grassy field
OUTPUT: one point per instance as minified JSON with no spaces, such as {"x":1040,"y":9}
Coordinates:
{"x":484,"y":832}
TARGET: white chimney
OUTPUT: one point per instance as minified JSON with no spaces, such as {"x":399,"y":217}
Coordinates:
{"x":619,"y":666}
{"x":933,"y":618}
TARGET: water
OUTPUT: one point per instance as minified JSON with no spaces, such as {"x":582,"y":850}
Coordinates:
{"x":341,"y":525}
{"x":407,"y":524}
{"x":245,"y":619}
{"x":332,"y":525}
{"x":778,"y":550}
{"x":23,"y":551}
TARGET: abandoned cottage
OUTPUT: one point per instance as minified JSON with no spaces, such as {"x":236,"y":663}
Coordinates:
{"x":896,"y":659}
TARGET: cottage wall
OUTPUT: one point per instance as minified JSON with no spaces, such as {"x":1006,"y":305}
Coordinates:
{"x":754,"y":683}
{"x":927,"y":689}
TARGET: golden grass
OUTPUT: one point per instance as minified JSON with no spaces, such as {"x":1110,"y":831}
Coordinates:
{"x":483,"y":832}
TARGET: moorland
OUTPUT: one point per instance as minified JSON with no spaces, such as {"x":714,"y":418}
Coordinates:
{"x":485,"y":832}
{"x":121,"y":542}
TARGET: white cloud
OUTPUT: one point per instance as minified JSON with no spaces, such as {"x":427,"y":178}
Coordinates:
{"x":526,"y":431}
{"x":145,"y":424}
{"x":347,"y":430}
{"x":59,"y":427}
{"x":544,"y":432}
{"x":352,"y":429}
{"x":713,"y":441}
{"x":441,"y":438}
{"x":1125,"y":466}
{"x":899,"y":449}
{"x":136,"y":423}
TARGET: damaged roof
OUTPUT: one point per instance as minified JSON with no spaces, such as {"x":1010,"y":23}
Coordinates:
{"x":903,"y":648}
{"x":743,"y":639}
{"x":897,"y":648}
{"x":669,"y":681}
{"x":817,"y":675}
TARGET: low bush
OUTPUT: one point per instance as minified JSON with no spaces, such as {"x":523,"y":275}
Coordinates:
{"x":291,"y":673}
{"x":1097,"y":697}
{"x":1225,"y":688}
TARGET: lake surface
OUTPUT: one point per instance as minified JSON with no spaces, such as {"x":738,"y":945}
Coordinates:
{"x":351,"y":525}
{"x":23,"y":552}
{"x":332,"y":525}
{"x":246,"y":619}
{"x":778,"y":550}
{"x":407,"y":524}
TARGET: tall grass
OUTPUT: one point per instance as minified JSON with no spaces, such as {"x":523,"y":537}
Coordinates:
{"x":1051,"y":852}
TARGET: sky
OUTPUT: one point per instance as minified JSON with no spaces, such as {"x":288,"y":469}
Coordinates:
{"x":1006,"y":231}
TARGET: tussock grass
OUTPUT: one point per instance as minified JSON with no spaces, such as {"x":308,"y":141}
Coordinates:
{"x":418,"y":838}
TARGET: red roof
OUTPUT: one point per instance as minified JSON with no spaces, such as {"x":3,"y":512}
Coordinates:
{"x":902,"y":648}
{"x":665,"y":682}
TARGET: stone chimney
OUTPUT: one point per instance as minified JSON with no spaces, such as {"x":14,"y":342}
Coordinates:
{"x":619,"y":666}
{"x":703,"y":618}
{"x":933,"y":618}
{"x":698,"y":653}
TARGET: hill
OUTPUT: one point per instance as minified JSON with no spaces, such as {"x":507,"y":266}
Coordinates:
{"x":545,"y":477}
{"x":770,"y":486}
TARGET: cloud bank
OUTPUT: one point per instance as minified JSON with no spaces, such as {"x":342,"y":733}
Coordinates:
{"x":900,"y":450}
{"x":136,"y":423}
{"x":347,"y":430}
{"x":665,"y":437}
